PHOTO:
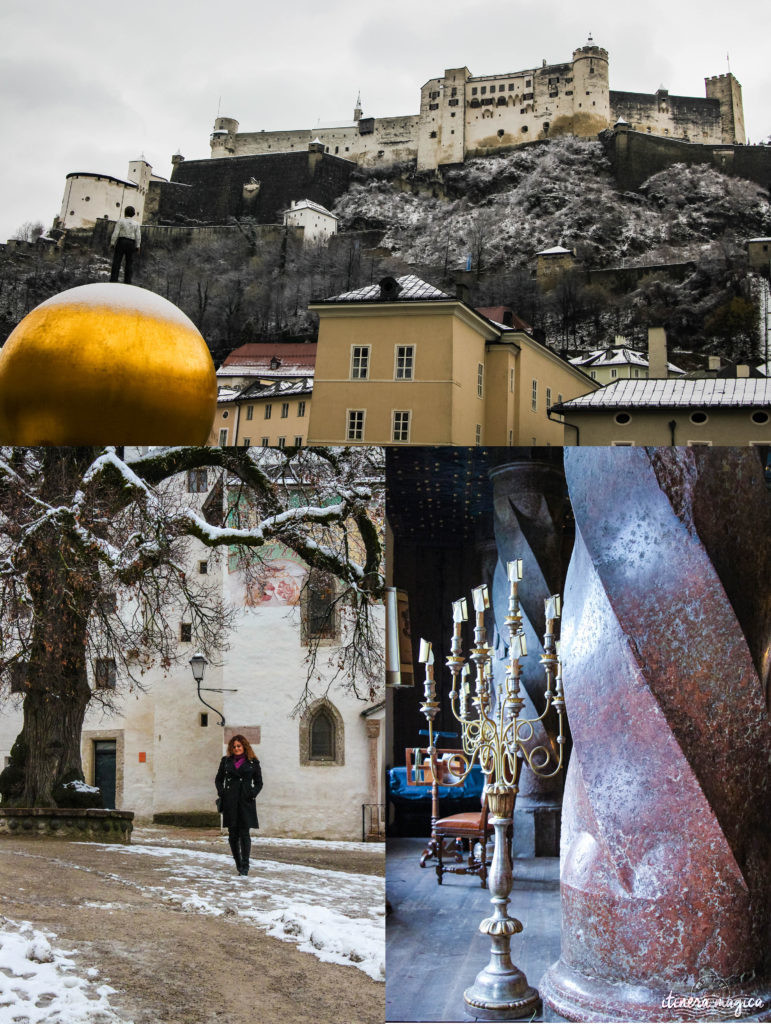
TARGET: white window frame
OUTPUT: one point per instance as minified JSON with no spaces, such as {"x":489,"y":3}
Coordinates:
{"x":534,"y":395}
{"x":478,"y":435}
{"x":301,"y":408}
{"x":359,"y":352}
{"x":548,"y":399}
{"x":407,"y":362}
{"x":223,"y":437}
{"x":480,"y":380}
{"x":249,"y":411}
{"x":400,"y":413}
{"x":360,"y":429}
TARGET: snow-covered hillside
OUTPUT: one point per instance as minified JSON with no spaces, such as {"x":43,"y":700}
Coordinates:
{"x":501,"y":210}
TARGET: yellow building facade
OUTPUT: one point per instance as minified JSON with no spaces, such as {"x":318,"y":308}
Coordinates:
{"x":402,"y":362}
{"x":275,"y":415}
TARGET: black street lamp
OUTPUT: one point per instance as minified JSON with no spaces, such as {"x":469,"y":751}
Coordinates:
{"x":198,"y":665}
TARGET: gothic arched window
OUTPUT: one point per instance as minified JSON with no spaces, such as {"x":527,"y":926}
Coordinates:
{"x":322,"y":735}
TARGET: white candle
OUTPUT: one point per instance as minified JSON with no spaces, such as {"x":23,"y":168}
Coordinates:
{"x":552,"y":607}
{"x":518,"y":645}
{"x":460,"y":610}
{"x":514,"y":569}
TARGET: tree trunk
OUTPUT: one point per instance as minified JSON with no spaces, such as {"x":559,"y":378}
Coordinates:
{"x":55,"y":704}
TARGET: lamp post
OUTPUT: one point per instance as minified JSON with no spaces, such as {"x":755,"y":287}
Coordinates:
{"x":494,"y":734}
{"x":198,"y":665}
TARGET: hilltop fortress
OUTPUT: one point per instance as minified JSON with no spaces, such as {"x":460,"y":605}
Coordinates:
{"x":462,"y":115}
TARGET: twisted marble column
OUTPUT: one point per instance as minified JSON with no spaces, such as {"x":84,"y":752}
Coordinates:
{"x":666,"y":835}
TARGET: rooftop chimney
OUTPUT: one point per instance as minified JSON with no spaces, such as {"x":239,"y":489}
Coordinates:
{"x":389,"y":289}
{"x":657,"y":352}
{"x":713,"y":362}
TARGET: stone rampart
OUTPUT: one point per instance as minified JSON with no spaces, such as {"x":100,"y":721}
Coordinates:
{"x":262,"y":187}
{"x":635,"y":156}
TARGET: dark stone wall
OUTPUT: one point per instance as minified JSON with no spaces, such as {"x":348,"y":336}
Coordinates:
{"x":635,"y":156}
{"x":212,"y":191}
{"x":688,"y":113}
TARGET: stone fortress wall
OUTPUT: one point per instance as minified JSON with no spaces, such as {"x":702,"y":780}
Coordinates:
{"x":462,"y":115}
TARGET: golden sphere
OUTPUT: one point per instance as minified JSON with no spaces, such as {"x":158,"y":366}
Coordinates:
{"x":106,"y":364}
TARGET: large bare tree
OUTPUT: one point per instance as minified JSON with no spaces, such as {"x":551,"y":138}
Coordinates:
{"x":92,"y":560}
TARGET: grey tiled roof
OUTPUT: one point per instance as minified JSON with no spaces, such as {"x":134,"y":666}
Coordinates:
{"x":729,"y":391}
{"x":279,"y":389}
{"x":413,"y":288}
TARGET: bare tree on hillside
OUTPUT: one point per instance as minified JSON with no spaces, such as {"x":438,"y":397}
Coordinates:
{"x":29,"y":231}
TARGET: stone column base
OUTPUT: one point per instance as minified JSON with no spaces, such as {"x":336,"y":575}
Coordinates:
{"x":570,"y":996}
{"x":537,"y":826}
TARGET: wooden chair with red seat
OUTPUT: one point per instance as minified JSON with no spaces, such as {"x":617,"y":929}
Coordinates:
{"x":471,"y":827}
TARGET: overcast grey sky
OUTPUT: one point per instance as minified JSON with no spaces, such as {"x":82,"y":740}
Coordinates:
{"x":88,"y":86}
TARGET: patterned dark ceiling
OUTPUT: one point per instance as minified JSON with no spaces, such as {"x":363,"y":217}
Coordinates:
{"x":440,"y":494}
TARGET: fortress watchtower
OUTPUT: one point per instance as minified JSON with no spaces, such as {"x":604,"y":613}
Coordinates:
{"x":223,"y":138}
{"x":727,"y":90}
{"x":591,"y":89}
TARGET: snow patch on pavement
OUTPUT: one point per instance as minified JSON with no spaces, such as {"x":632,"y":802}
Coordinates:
{"x":39,"y":983}
{"x":337,"y":916}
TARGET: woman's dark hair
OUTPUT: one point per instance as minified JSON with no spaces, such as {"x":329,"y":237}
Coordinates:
{"x":129,"y":211}
{"x":245,"y":744}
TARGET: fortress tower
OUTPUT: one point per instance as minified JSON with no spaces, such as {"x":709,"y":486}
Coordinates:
{"x":223,"y":138}
{"x":591,"y":90}
{"x":727,"y":90}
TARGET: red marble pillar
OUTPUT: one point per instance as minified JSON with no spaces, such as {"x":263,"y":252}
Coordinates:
{"x":666,"y":836}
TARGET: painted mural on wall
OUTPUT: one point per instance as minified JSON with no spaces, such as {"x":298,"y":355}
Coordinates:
{"x":280,"y":584}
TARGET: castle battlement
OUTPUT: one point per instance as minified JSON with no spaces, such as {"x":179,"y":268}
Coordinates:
{"x":463,"y":115}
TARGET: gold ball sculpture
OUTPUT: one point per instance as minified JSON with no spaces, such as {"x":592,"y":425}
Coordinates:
{"x":106,"y":364}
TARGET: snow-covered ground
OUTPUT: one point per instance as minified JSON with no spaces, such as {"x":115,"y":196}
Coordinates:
{"x":39,"y":983}
{"x":337,"y":916}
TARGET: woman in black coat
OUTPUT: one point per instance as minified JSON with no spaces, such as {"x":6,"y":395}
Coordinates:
{"x":238,"y":781}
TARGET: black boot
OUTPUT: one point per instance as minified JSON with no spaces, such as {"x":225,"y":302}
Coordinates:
{"x":235,"y":849}
{"x":246,"y":847}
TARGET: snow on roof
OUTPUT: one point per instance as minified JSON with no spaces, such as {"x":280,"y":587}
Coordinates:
{"x":556,"y":250}
{"x":278,"y":389}
{"x":226,"y":393}
{"x":125,"y":297}
{"x":308,"y":204}
{"x":412,"y":289}
{"x":728,"y":392}
{"x":294,"y":359}
{"x":616,"y":356}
